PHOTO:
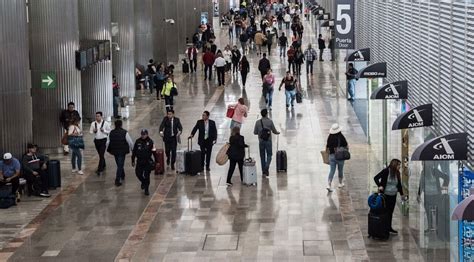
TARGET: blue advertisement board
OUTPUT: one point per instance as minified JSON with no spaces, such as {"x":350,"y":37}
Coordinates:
{"x":466,"y":228}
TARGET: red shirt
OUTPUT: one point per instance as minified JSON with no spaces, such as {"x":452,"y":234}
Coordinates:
{"x":208,"y":58}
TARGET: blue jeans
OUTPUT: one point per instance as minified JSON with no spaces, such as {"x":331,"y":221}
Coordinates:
{"x":340,"y":168}
{"x":283,"y":50}
{"x":238,"y":31}
{"x":76,"y":157}
{"x":351,"y":88}
{"x":269,"y":97}
{"x":265,"y":154}
{"x":290,"y":97}
{"x":120,"y":161}
{"x":234,"y":123}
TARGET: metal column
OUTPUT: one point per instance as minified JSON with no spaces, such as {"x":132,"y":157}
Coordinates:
{"x":123,"y":60}
{"x":15,"y":98}
{"x":158,"y":17}
{"x":143,"y":31}
{"x":54,"y":38}
{"x":94,"y":24}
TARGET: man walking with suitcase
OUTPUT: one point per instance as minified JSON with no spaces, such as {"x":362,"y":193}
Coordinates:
{"x":142,"y":151}
{"x":170,"y":130}
{"x":264,"y":128}
{"x":207,"y":138}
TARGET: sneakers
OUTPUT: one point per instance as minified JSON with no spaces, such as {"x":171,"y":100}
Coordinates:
{"x":74,"y":170}
{"x":117,"y":183}
{"x":329,"y":189}
{"x":393,"y":231}
{"x":341,"y":185}
{"x":147,"y":193}
{"x":44,"y":194}
{"x":229,"y":184}
{"x":80,"y":172}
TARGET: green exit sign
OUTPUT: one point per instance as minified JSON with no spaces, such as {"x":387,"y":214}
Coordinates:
{"x":48,"y":80}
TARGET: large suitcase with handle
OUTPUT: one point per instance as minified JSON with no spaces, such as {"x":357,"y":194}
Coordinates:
{"x":281,"y":158}
{"x":160,"y":161}
{"x":378,"y":227}
{"x":192,"y":160}
{"x":250,"y":171}
{"x":54,"y":174}
{"x":180,"y":158}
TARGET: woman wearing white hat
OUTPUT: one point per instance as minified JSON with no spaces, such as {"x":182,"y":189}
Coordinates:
{"x":335,"y":140}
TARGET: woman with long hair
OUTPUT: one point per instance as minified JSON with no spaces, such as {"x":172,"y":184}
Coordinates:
{"x":389,"y":183}
{"x":335,"y":139}
{"x":244,"y":68}
{"x":268,"y":83}
{"x":240,"y":112}
{"x":236,"y":153}
{"x":76,"y":143}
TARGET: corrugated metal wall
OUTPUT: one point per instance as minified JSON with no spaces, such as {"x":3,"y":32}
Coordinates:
{"x":15,"y":97}
{"x":124,"y":60}
{"x":94,"y":24}
{"x":159,"y":36}
{"x":171,"y":32}
{"x":430,"y":44}
{"x":54,"y":37}
{"x":143,"y":31}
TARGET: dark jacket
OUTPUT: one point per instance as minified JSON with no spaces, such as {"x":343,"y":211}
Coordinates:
{"x":236,"y":56}
{"x":334,"y":141}
{"x":244,"y":66}
{"x":201,"y":127}
{"x":142,"y":150}
{"x":67,"y":116}
{"x":382,"y":177}
{"x":321,"y":43}
{"x":33,"y":162}
{"x":166,"y":127}
{"x":118,"y":144}
{"x":264,"y":65}
{"x":237,"y":147}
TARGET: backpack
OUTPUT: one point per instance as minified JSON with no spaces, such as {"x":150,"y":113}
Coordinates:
{"x":265,"y":133}
{"x":7,"y":199}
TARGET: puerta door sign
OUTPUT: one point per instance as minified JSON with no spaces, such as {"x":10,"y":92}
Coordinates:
{"x":448,"y":147}
{"x":417,"y":117}
{"x":344,"y":24}
{"x":395,"y":90}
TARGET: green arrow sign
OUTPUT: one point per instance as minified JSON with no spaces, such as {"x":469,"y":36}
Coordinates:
{"x":48,"y":80}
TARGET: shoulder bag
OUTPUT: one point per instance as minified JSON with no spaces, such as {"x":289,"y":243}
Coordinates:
{"x":342,"y":153}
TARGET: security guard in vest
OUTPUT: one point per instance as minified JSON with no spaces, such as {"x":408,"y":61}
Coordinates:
{"x":143,"y":152}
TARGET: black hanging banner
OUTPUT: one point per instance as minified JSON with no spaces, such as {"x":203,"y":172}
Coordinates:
{"x":448,"y":147}
{"x":328,"y":23}
{"x":395,"y":90}
{"x":324,"y":16}
{"x":417,"y":117}
{"x":359,"y":55}
{"x":374,"y":71}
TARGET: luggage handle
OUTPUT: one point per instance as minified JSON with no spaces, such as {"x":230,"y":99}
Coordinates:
{"x":190,"y":142}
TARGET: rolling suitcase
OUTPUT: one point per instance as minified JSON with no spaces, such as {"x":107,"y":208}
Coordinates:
{"x":281,"y":159}
{"x":160,"y":161}
{"x":185,"y":66}
{"x":378,"y":225}
{"x":192,"y":160}
{"x":250,"y":171}
{"x":180,"y":155}
{"x":54,"y":174}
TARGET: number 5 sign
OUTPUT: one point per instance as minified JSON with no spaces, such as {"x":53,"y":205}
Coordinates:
{"x":344,"y":24}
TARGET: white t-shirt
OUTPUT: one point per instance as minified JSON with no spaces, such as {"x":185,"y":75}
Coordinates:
{"x":219,"y":62}
{"x":287,"y":18}
{"x":227,"y":55}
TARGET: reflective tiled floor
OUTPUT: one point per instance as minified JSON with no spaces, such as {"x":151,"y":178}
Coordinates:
{"x":288,"y":217}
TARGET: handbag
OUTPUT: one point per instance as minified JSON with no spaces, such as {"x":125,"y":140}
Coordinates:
{"x":230,"y":112}
{"x":222,"y":157}
{"x":325,"y":156}
{"x":299,"y":97}
{"x":64,"y":139}
{"x":174,"y":91}
{"x":342,"y":153}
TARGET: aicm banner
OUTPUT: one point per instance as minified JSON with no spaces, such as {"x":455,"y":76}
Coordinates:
{"x":344,"y":24}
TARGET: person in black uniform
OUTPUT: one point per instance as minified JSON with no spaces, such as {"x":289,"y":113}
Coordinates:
{"x":142,"y":151}
{"x":207,"y":137}
{"x":170,"y":130}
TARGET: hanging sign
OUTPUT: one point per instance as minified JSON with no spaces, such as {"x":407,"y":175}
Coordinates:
{"x":395,"y":90}
{"x":374,"y":71}
{"x":359,"y":55}
{"x":328,"y":23}
{"x":417,"y":117}
{"x":323,"y":17}
{"x":448,"y":147}
{"x":344,"y":24}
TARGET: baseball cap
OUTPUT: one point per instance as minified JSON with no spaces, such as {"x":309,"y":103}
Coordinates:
{"x":7,"y":156}
{"x":144,"y":132}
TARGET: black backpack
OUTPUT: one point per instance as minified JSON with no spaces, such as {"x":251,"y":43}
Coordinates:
{"x":265,"y":133}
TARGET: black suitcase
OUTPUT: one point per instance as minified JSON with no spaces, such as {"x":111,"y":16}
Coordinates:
{"x":185,"y":66}
{"x":281,"y":159}
{"x":299,"y":97}
{"x":54,"y":174}
{"x":192,"y":160}
{"x":378,"y":226}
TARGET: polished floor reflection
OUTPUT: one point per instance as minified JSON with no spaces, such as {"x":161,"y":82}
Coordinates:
{"x":288,"y":217}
